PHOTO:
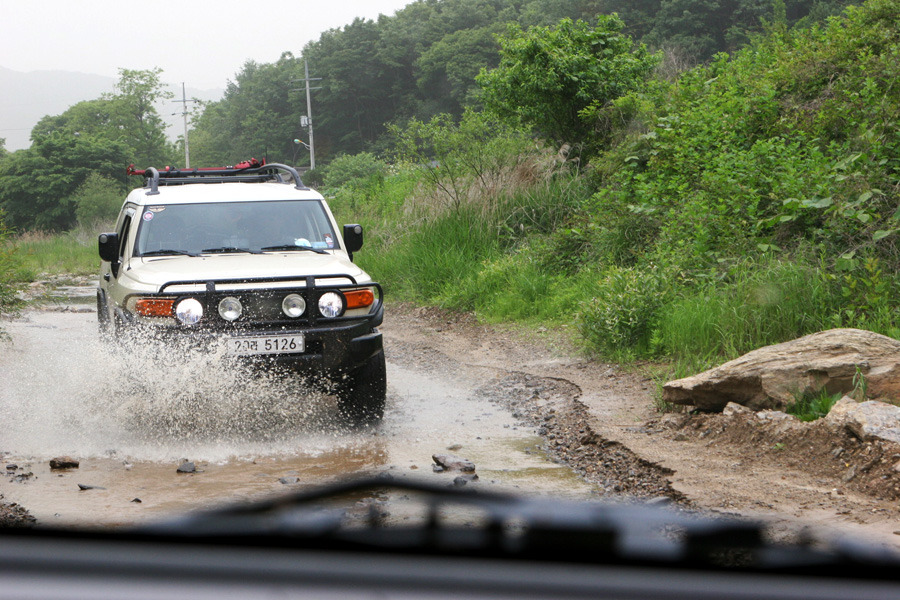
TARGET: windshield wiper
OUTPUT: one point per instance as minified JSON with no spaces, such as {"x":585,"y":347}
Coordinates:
{"x":520,"y":527}
{"x":227,"y":249}
{"x":168,"y":251}
{"x":293,"y":247}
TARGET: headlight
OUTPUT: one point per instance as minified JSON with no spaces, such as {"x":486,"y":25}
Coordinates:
{"x":293,"y":305}
{"x":331,"y":305}
{"x":189,"y":311}
{"x":230,"y":308}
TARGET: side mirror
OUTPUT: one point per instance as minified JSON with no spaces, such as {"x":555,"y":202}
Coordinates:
{"x":353,"y":238}
{"x":108,"y":245}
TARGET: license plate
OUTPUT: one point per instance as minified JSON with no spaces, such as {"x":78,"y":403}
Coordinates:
{"x":265,"y":344}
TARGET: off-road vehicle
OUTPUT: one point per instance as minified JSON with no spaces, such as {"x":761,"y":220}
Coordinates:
{"x":248,"y":260}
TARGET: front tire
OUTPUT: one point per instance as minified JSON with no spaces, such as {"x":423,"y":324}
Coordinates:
{"x":104,"y":324}
{"x":361,"y":396}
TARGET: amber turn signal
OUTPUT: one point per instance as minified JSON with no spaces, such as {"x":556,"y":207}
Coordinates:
{"x":359,"y":298}
{"x":154,"y":307}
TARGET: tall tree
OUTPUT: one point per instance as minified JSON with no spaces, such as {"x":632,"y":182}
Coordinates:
{"x":134,"y":111}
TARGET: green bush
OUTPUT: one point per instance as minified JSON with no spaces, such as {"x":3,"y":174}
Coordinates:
{"x":620,"y":317}
{"x":361,"y":170}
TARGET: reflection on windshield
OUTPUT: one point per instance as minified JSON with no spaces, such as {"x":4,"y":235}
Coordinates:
{"x":234,"y":226}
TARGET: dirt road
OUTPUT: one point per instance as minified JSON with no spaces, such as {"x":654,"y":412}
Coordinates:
{"x":533,"y":414}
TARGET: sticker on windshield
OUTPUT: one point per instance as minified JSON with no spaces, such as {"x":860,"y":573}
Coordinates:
{"x":156,"y":209}
{"x":148,"y":216}
{"x":329,"y":240}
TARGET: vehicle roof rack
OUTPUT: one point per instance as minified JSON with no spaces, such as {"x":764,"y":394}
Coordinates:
{"x":250,"y":171}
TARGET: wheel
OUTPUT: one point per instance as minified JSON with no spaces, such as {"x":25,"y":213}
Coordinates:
{"x":104,"y":326}
{"x":361,"y":396}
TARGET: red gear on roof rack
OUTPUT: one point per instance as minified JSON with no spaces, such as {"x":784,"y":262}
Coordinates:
{"x":171,"y":171}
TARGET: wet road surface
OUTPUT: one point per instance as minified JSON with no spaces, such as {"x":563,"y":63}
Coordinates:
{"x":131,"y":420}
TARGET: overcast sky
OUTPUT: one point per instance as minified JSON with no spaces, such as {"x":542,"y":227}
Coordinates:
{"x":200,"y":42}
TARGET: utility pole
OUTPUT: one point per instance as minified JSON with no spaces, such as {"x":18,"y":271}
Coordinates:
{"x":184,"y":113}
{"x":306,"y":120}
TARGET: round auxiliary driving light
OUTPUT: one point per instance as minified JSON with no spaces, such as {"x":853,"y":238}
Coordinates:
{"x":230,"y":308}
{"x":189,"y":311}
{"x":293,"y":305}
{"x":331,"y":305}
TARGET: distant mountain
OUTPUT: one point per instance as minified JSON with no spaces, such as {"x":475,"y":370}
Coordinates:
{"x":25,"y":98}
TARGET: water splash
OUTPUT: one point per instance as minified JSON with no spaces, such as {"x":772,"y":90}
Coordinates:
{"x":65,"y":392}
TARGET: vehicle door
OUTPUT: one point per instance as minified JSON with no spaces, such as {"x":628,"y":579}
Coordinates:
{"x":112,"y":271}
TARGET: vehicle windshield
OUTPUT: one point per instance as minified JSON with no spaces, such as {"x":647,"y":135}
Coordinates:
{"x":233,"y":227}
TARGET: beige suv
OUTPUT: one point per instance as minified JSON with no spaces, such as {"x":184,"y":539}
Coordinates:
{"x":248,"y":258}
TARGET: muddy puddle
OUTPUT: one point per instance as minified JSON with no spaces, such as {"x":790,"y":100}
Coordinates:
{"x":132,"y":418}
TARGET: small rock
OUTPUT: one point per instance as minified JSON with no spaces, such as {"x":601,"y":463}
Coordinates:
{"x":733,"y":409}
{"x":849,"y":475}
{"x":452,"y":462}
{"x":454,"y":447}
{"x":64,"y":462}
{"x":11,"y":467}
{"x":774,"y":415}
{"x":440,"y":469}
{"x":187,"y":467}
{"x":84,"y":486}
{"x":462,"y":480}
{"x":136,"y":500}
{"x":289,"y":480}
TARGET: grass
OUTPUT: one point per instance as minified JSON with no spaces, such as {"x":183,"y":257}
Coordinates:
{"x":73,"y":253}
{"x":761,"y":303}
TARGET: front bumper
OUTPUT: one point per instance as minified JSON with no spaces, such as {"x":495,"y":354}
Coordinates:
{"x":332,"y":346}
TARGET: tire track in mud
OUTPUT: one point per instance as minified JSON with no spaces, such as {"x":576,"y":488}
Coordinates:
{"x":551,"y":406}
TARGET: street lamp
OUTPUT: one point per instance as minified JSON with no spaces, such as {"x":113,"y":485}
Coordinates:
{"x":297,"y":143}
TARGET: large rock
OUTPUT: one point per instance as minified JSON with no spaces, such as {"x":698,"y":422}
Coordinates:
{"x":774,"y":376}
{"x":867,"y":420}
